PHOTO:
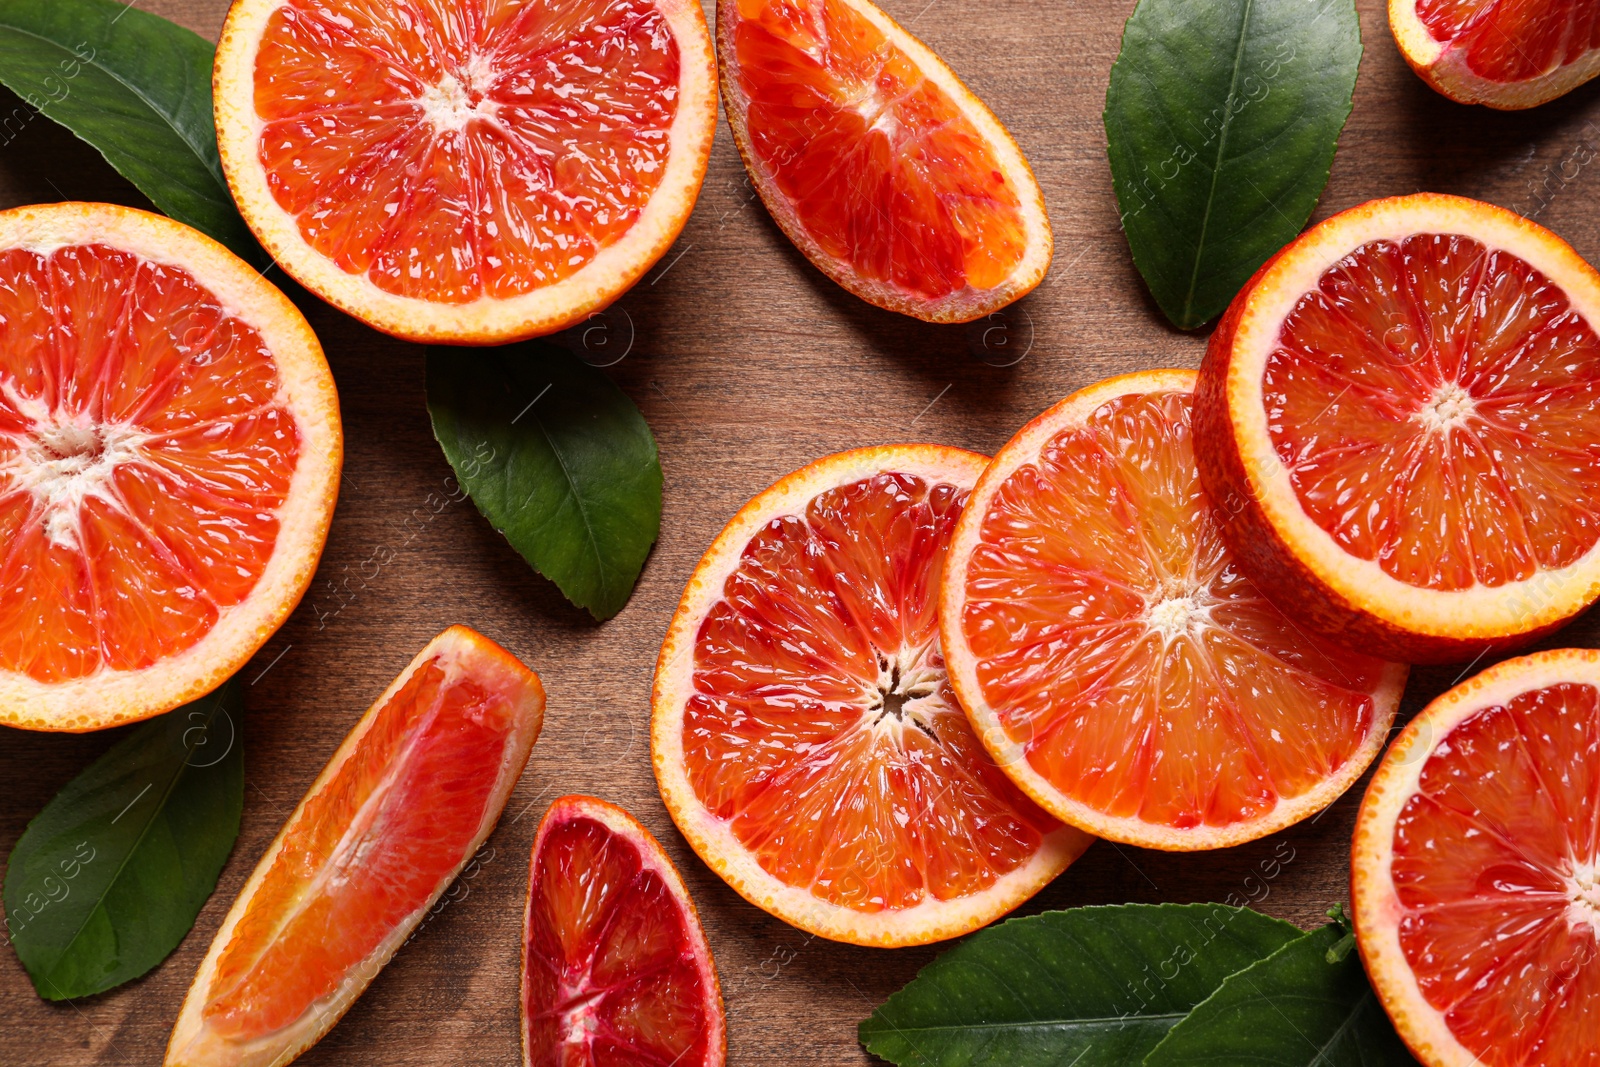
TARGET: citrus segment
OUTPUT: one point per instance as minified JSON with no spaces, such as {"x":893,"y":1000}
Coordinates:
{"x":616,"y":970}
{"x":1474,"y":872}
{"x":1395,"y":413}
{"x":396,"y":814}
{"x":466,"y":171}
{"x":1112,"y":657}
{"x":169,"y":459}
{"x":804,"y":735}
{"x":878,"y":163}
{"x":1507,"y":54}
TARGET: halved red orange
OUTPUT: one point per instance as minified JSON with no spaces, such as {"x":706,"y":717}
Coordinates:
{"x":466,"y":171}
{"x":169,"y":459}
{"x":399,"y":810}
{"x":804,"y":736}
{"x":616,"y":971}
{"x":1396,"y":419}
{"x":1507,"y":54}
{"x":1113,"y":658}
{"x":1475,"y":871}
{"x":880,"y":165}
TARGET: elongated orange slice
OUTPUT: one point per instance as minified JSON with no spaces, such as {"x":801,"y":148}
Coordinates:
{"x":170,"y":449}
{"x":466,"y":171}
{"x":1115,"y":661}
{"x":880,"y":165}
{"x":804,"y":737}
{"x":616,"y":971}
{"x":399,"y":810}
{"x":1508,"y":54}
{"x":1475,"y":871}
{"x":1396,"y":417}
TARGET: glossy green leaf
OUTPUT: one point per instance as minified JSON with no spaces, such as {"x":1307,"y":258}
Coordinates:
{"x":137,"y":88}
{"x":1221,"y":121}
{"x":109,"y":877}
{"x":557,"y":458}
{"x":1090,"y":987}
{"x":1306,"y":1005}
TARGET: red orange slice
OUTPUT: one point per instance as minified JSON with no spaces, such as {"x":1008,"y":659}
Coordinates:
{"x":1396,"y":419}
{"x":169,"y":459}
{"x":615,"y":968}
{"x":1112,"y":657}
{"x":804,"y":737}
{"x":1476,"y":869}
{"x":466,"y":171}
{"x":880,"y":165}
{"x":399,"y":810}
{"x":1504,"y":53}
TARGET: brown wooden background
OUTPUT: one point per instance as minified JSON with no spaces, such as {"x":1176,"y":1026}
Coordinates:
{"x":747,"y":363}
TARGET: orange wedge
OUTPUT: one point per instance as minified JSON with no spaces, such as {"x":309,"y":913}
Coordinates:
{"x":1508,"y":54}
{"x":1396,"y":418}
{"x":1475,"y":871}
{"x":387,"y":826}
{"x":1112,"y":657}
{"x":615,"y":968}
{"x":169,"y":459}
{"x":875,"y":159}
{"x":804,"y":737}
{"x":466,"y":171}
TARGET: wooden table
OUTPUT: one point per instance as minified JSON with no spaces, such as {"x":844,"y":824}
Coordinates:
{"x":747,"y":363}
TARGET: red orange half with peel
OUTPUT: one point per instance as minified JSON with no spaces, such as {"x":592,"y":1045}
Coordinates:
{"x":1395,"y":418}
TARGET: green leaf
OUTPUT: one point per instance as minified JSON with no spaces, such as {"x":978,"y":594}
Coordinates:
{"x":1090,"y":987}
{"x":136,"y":87}
{"x":1221,"y":121}
{"x":1296,"y":1008}
{"x":557,"y":458}
{"x":109,"y":877}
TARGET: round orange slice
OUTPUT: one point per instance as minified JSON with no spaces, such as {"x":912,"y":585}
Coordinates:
{"x":804,"y":736}
{"x":1475,"y":872}
{"x":881,"y":166}
{"x":466,"y":171}
{"x":405,"y":802}
{"x":1508,"y":54}
{"x":169,"y":459}
{"x":1396,"y":419}
{"x":615,"y":968}
{"x":1115,"y":661}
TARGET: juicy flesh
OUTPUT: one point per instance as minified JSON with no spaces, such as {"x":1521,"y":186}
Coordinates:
{"x":144,"y":454}
{"x":822,"y":727}
{"x":1119,"y":646}
{"x":1433,"y":401}
{"x":367,"y":852}
{"x":451,"y":151}
{"x":612,"y":979}
{"x":880,"y":166}
{"x":1495,"y":865}
{"x":1514,"y":40}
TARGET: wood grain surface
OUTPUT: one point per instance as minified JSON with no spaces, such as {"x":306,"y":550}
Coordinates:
{"x":747,"y":363}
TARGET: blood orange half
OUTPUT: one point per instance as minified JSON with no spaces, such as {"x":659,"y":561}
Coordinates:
{"x":804,"y":737}
{"x":1475,"y":871}
{"x":615,"y":969}
{"x":1396,"y":417}
{"x":399,"y":810}
{"x":1507,"y":54}
{"x":880,"y":165}
{"x":1113,"y":659}
{"x":466,"y":171}
{"x":169,"y":459}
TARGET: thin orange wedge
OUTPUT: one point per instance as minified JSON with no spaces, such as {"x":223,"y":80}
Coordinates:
{"x":1508,"y":54}
{"x":387,"y":826}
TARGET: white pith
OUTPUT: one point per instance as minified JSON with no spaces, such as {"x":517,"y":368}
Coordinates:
{"x":1478,"y":610}
{"x":1375,"y":902}
{"x":1449,"y":407}
{"x":929,"y":920}
{"x":1180,"y":610}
